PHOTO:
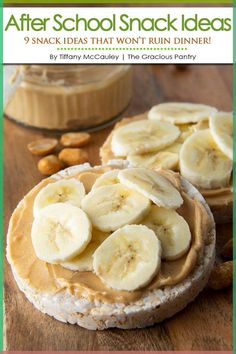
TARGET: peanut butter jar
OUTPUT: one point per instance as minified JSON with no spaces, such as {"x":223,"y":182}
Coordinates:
{"x":67,"y":97}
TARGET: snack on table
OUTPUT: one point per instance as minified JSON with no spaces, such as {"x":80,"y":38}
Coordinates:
{"x":92,"y":246}
{"x":194,"y":139}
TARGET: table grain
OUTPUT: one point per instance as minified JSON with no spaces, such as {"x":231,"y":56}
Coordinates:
{"x":206,"y":323}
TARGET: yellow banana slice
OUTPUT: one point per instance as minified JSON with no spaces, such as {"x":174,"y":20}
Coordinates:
{"x":70,"y":191}
{"x":181,"y":113}
{"x":171,"y":229}
{"x":113,"y":206}
{"x":152,"y":185}
{"x":203,"y":163}
{"x":162,"y":159}
{"x":129,"y":258}
{"x":143,"y":136}
{"x":60,"y":232}
{"x":84,"y":261}
{"x":106,"y":179}
{"x":221,"y":126}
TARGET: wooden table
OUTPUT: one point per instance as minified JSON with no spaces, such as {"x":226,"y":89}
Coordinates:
{"x":206,"y":323}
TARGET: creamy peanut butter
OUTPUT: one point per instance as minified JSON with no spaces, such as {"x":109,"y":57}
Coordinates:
{"x":70,"y":96}
{"x":54,"y":278}
{"x":222,"y":196}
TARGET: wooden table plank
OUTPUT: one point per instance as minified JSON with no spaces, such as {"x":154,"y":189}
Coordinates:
{"x":206,"y":323}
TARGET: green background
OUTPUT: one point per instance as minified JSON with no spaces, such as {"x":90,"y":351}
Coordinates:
{"x":118,"y":2}
{"x":1,"y":179}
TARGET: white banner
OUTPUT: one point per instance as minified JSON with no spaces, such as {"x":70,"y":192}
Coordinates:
{"x":118,"y":35}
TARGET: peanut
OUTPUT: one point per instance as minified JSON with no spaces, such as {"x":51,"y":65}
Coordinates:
{"x":221,"y":276}
{"x":71,"y":157}
{"x":75,"y":139}
{"x":42,"y":146}
{"x":227,"y":250}
{"x":49,"y":165}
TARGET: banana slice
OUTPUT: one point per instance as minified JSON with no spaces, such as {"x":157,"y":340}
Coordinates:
{"x":152,"y":185}
{"x":174,"y":148}
{"x":162,"y":159}
{"x":180,"y":113}
{"x":129,"y":258}
{"x":202,"y":163}
{"x":185,"y":131}
{"x":68,"y":191}
{"x":60,"y":232}
{"x":106,"y":179}
{"x":221,"y":126}
{"x":142,"y":137}
{"x":111,"y":207}
{"x":84,"y":261}
{"x":171,"y":229}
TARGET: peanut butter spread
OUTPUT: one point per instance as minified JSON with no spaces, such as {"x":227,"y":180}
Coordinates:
{"x":214,"y":197}
{"x":52,"y":278}
{"x":223,"y":196}
{"x":70,"y":96}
